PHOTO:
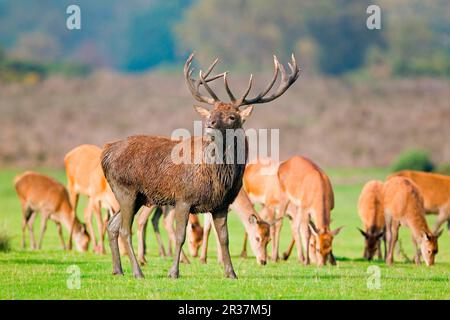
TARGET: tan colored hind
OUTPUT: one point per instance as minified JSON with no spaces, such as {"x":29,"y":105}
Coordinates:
{"x":256,"y":230}
{"x":41,"y":194}
{"x":309,"y":189}
{"x":370,"y":210}
{"x":435,"y":190}
{"x":403,"y":205}
{"x":85,"y":176}
{"x":261,"y":183}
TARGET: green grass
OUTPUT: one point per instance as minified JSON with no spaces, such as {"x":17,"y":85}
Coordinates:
{"x":44,"y":274}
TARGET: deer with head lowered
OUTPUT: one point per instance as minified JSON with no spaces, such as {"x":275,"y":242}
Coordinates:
{"x":141,"y":170}
{"x":370,"y":210}
{"x":41,"y":194}
{"x":310,"y":191}
{"x":404,"y":205}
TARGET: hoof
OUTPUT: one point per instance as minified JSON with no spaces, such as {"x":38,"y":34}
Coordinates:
{"x":202,"y":260}
{"x":142,"y":262}
{"x":174,"y":274}
{"x":285,"y":256}
{"x":117,"y":273}
{"x":231,"y":275}
{"x":139,"y":275}
{"x":243,"y":254}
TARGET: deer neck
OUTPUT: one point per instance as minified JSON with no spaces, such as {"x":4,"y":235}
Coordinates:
{"x":418,"y":226}
{"x":69,"y":220}
{"x":244,"y":209}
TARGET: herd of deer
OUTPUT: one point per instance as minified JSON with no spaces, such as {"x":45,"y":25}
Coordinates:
{"x":139,"y":172}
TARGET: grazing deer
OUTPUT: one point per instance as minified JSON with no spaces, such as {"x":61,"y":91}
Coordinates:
{"x":403,"y":204}
{"x":39,"y":193}
{"x":85,"y":176}
{"x":262,"y":186}
{"x":310,"y":190}
{"x":141,"y":170}
{"x":371,"y":212}
{"x":435,"y":190}
{"x":194,"y":232}
{"x":256,"y":228}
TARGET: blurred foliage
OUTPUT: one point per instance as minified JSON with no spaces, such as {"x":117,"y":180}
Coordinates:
{"x":443,"y":169}
{"x":31,"y":72}
{"x":151,"y":40}
{"x":328,"y":37}
{"x":413,"y":159}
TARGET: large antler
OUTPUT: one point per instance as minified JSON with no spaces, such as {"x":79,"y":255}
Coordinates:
{"x":286,"y":82}
{"x":194,"y":85}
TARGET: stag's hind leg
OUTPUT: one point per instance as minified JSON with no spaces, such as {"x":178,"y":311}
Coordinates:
{"x":128,"y":209}
{"x":113,"y":228}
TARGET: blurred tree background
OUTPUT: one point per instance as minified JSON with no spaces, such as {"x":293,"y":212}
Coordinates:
{"x":328,"y":37}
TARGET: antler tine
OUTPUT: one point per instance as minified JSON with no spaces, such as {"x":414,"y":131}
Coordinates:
{"x":211,"y":67}
{"x":242,"y":99}
{"x":193,"y":85}
{"x":227,"y":88}
{"x":205,"y":84}
{"x":286,"y":82}
{"x":274,"y":79}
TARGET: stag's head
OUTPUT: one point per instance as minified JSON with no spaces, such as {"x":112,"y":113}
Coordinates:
{"x":232,"y":115}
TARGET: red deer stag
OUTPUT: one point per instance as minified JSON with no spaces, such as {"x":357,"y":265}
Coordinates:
{"x":141,"y":170}
{"x":39,"y":193}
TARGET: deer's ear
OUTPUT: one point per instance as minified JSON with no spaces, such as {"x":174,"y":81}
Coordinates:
{"x":246,"y":112}
{"x":202,"y":111}
{"x":363,"y":233}
{"x":253,"y":219}
{"x":335,"y":232}
{"x":438,"y":233}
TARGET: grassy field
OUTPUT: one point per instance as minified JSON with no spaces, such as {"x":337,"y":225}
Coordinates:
{"x":44,"y":274}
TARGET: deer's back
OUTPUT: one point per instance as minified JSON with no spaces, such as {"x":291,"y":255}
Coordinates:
{"x":435,"y":188}
{"x":84,"y":171}
{"x":370,"y":205}
{"x":402,"y":199}
{"x":41,"y":192}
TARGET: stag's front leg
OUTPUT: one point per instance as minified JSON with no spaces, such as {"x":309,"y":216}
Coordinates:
{"x":181,"y":218}
{"x":220,"y":223}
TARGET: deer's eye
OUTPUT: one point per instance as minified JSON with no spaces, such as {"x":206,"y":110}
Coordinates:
{"x":232,"y":118}
{"x":258,"y":239}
